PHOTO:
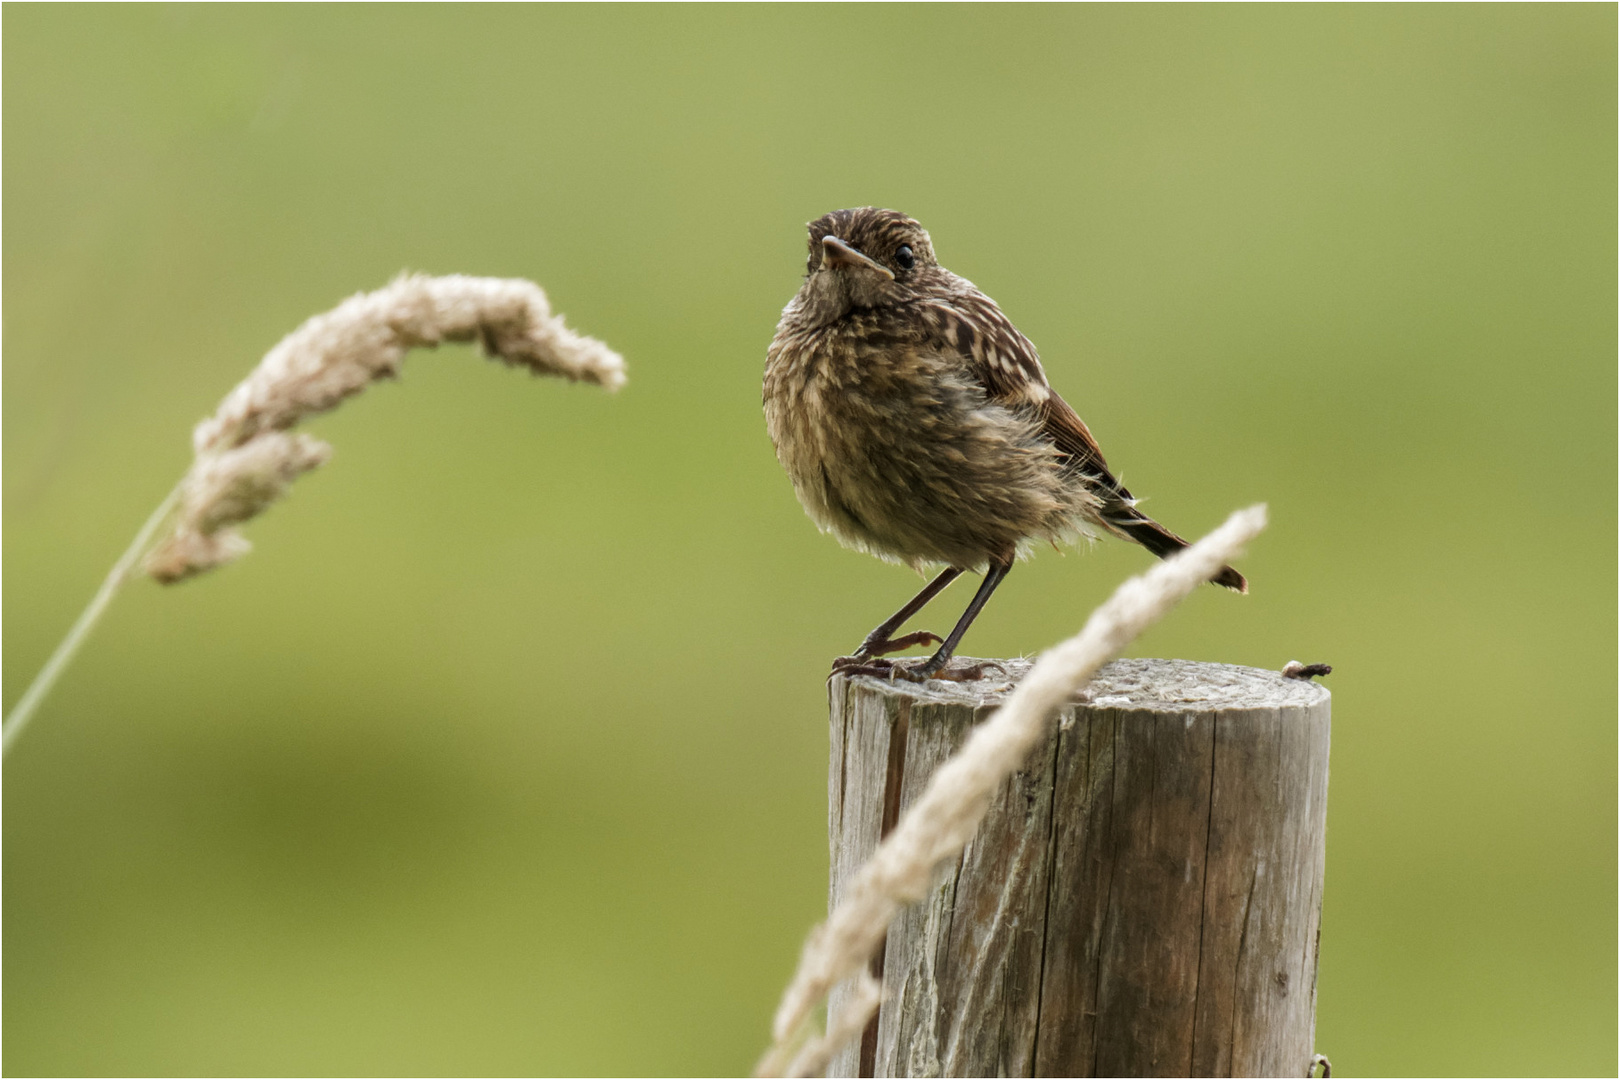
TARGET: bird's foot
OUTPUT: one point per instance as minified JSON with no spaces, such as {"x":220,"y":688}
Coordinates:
{"x":866,"y":660}
{"x":915,"y":672}
{"x":885,"y":646}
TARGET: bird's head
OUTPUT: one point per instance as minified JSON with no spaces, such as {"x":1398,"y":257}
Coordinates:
{"x":865,"y":258}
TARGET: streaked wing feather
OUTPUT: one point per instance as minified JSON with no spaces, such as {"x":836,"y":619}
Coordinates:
{"x":1072,"y":436}
{"x":1007,"y":364}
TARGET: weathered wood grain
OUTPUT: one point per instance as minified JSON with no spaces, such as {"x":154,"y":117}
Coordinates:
{"x":1143,"y":898}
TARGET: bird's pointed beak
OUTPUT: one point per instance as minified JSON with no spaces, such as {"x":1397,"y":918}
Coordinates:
{"x":837,"y":253}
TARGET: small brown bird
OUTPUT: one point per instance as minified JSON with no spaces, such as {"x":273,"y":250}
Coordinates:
{"x":917,"y":425}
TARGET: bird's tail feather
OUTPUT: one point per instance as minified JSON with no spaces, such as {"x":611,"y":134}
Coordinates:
{"x":1132,"y":524}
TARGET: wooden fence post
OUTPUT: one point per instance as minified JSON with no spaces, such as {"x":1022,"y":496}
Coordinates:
{"x":1143,"y":899}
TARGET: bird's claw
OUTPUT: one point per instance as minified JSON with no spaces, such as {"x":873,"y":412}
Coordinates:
{"x":862,"y":665}
{"x":889,"y":670}
{"x":966,"y":673}
{"x":971,"y":673}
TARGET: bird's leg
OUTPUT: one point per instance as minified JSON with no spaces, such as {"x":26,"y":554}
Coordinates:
{"x":992,"y":578}
{"x":879,"y":643}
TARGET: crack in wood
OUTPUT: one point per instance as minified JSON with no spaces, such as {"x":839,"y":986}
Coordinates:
{"x":894,"y":777}
{"x":1203,"y":892}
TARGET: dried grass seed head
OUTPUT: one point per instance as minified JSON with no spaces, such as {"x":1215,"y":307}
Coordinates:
{"x":245,"y":461}
{"x":225,"y":489}
{"x":334,"y":355}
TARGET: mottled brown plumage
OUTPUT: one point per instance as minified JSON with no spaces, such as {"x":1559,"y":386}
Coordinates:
{"x":917,"y":424}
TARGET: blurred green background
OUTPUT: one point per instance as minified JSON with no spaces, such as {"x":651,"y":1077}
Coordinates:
{"x":505,"y":750}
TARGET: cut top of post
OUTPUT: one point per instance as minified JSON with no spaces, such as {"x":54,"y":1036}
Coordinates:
{"x":1171,"y":685}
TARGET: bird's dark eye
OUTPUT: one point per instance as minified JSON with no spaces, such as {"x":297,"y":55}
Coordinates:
{"x":905,"y":258}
